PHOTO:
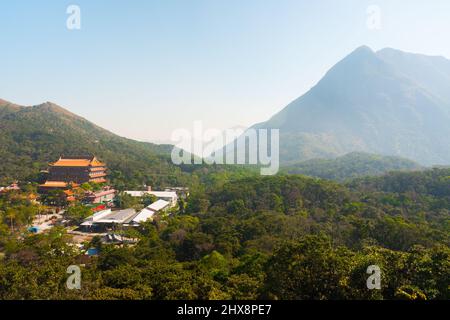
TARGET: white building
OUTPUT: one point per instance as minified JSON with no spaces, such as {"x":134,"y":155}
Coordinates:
{"x":150,"y":211}
{"x":127,"y":217}
{"x":159,"y":205}
{"x":169,"y":196}
{"x":142,"y":216}
{"x":109,"y":217}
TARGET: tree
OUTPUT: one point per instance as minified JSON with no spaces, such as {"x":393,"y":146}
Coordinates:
{"x":308,"y":269}
{"x":78,"y":213}
{"x":55,"y":198}
{"x":86,"y":186}
{"x":243,"y":287}
{"x":216,"y":265}
{"x":148,"y":199}
{"x":11,"y":214}
{"x":125,"y":201}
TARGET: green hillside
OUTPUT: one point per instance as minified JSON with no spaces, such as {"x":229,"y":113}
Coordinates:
{"x":30,"y":137}
{"x":352,"y":165}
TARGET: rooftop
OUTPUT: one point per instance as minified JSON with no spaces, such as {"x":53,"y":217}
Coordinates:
{"x":144,"y":215}
{"x":74,"y":162}
{"x":120,"y":216}
{"x":158,"y":205}
{"x":158,"y":194}
{"x":100,"y":193}
{"x":56,"y":184}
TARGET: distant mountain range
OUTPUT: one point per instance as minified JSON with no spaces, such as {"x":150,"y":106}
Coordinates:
{"x":30,"y":137}
{"x":387,"y":102}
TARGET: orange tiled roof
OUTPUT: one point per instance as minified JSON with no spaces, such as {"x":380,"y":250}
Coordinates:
{"x":56,"y":184}
{"x":77,"y":163}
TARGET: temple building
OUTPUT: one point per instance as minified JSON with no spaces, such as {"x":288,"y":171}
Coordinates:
{"x":74,"y":171}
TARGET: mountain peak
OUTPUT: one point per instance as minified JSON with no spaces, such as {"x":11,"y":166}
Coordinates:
{"x":362,"y":53}
{"x":363,"y":49}
{"x":359,"y":65}
{"x":54,"y":108}
{"x":387,"y":102}
{"x":46,"y":107}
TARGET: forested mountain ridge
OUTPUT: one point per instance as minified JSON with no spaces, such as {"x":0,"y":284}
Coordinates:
{"x":30,"y":137}
{"x":352,"y":165}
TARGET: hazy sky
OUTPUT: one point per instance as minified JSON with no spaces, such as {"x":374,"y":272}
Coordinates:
{"x":144,"y":68}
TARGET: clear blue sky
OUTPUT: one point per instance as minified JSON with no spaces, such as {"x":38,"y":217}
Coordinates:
{"x":144,"y":68}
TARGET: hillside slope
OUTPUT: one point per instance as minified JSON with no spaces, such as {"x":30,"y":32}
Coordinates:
{"x":352,"y":165}
{"x":30,"y":137}
{"x":387,"y":102}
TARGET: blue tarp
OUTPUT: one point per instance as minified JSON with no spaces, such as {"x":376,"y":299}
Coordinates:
{"x":33,"y":229}
{"x":92,"y":252}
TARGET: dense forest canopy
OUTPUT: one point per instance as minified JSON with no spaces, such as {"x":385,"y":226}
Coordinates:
{"x":250,"y":237}
{"x":350,"y":166}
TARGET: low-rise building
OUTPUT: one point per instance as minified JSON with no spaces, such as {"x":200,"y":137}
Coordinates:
{"x":182,"y":192}
{"x":169,"y":196}
{"x":144,"y":215}
{"x":70,"y":197}
{"x":160,"y":205}
{"x":106,"y":195}
{"x":129,"y":217}
{"x":11,"y":187}
{"x":107,"y":218}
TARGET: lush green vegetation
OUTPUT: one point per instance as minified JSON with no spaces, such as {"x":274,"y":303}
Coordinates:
{"x":283,"y":237}
{"x":352,"y":165}
{"x":16,"y":211}
{"x":31,"y":137}
{"x":238,"y":236}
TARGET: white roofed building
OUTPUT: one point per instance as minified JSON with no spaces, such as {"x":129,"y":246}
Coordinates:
{"x":159,"y":205}
{"x":108,"y":218}
{"x":127,"y":217}
{"x":150,"y":211}
{"x":169,"y":196}
{"x":103,"y":220}
{"x":144,"y":215}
